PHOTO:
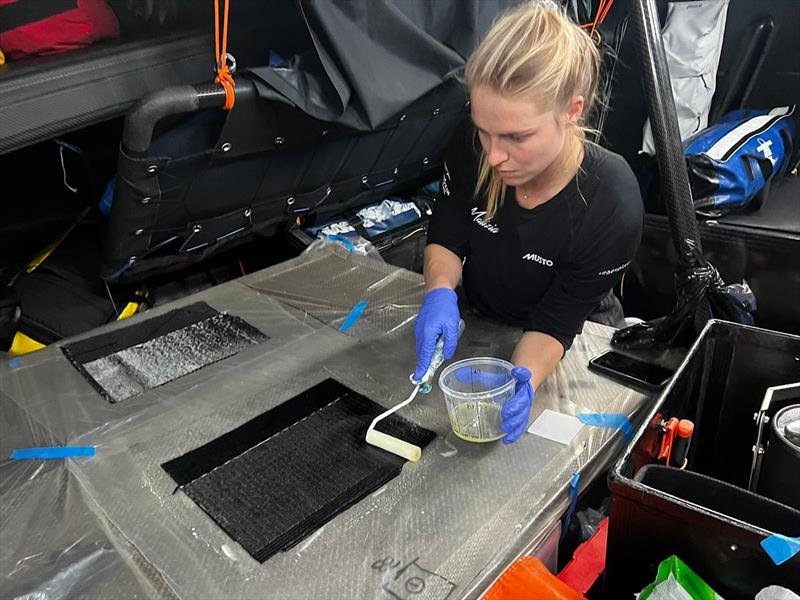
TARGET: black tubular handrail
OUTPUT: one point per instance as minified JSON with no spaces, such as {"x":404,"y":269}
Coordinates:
{"x":143,"y":118}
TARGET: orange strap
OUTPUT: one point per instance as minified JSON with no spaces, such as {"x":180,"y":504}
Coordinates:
{"x":602,"y":12}
{"x":224,"y":77}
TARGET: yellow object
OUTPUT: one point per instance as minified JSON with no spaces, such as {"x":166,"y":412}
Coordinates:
{"x":131,"y":309}
{"x":473,"y":421}
{"x":394,"y":445}
{"x":22,"y":344}
{"x":2,"y":58}
{"x":390,"y":443}
{"x":55,"y":244}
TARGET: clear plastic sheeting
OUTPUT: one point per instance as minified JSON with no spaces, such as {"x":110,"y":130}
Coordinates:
{"x":114,"y":525}
{"x":55,"y":545}
{"x":326,"y":283}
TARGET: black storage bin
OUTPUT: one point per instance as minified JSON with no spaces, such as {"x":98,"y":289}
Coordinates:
{"x":705,"y":515}
{"x":402,"y":246}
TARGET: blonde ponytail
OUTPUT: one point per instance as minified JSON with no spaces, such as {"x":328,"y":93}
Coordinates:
{"x":534,"y":52}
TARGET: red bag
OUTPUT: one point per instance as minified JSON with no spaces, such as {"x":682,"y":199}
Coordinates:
{"x":36,"y":27}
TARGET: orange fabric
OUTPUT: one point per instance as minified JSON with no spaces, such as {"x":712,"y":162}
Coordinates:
{"x":224,"y":77}
{"x":528,"y":579}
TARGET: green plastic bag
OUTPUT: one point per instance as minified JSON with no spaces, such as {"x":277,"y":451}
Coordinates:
{"x":675,"y":581}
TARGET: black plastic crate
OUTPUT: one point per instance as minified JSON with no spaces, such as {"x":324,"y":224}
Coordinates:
{"x":706,"y":515}
{"x":402,"y":247}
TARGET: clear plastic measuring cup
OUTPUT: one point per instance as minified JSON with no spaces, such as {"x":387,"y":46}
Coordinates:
{"x":475,"y":391}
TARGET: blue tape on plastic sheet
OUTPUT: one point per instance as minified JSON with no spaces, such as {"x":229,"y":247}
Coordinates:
{"x":573,"y":500}
{"x":340,"y":238}
{"x":781,"y":548}
{"x":610,"y":420}
{"x":54,"y":452}
{"x":354,"y":316}
{"x":14,"y":362}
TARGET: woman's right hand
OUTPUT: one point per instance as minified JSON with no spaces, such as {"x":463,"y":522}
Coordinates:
{"x":438,"y":317}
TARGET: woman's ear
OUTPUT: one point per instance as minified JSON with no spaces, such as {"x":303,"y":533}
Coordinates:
{"x":575,"y":109}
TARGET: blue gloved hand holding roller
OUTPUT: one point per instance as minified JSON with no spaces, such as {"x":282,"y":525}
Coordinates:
{"x":438,"y":317}
{"x":435,"y":318}
{"x":516,"y":411}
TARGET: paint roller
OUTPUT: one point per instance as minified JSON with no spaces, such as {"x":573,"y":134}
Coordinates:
{"x":396,"y":445}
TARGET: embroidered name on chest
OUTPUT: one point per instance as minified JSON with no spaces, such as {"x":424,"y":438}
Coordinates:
{"x":478,"y":218}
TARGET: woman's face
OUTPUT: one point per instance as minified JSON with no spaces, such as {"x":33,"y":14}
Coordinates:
{"x":520,"y":141}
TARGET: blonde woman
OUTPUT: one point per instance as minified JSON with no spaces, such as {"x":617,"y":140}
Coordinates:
{"x":536,"y":223}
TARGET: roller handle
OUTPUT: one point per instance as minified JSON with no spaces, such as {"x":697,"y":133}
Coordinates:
{"x":426,"y":383}
{"x":681,"y":442}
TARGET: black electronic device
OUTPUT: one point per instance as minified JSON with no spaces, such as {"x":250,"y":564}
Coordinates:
{"x":631,"y":371}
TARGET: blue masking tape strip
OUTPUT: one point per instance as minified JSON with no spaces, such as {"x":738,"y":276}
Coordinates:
{"x":14,"y":362}
{"x":573,"y":500}
{"x":55,"y":452}
{"x":781,"y":548}
{"x":354,"y":316}
{"x":340,"y":238}
{"x":610,"y":420}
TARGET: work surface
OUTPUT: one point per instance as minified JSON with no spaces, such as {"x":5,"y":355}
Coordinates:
{"x":114,"y":525}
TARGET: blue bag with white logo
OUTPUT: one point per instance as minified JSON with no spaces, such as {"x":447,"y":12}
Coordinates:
{"x":731,"y":161}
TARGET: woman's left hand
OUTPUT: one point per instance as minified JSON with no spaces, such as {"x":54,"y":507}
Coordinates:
{"x":517,"y":411}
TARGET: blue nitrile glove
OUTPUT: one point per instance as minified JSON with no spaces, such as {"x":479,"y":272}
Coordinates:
{"x":517,"y":411}
{"x":438,"y":317}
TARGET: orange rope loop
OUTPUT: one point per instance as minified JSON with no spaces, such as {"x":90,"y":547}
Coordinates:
{"x":224,"y":76}
{"x":603,"y":8}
